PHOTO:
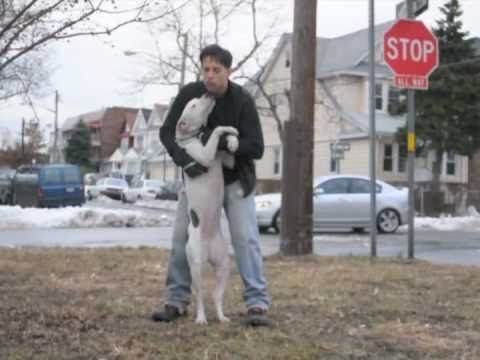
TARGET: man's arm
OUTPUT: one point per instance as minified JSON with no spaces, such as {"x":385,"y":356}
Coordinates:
{"x":250,"y":140}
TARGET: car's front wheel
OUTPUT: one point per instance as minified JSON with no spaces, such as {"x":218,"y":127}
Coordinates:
{"x":388,"y":221}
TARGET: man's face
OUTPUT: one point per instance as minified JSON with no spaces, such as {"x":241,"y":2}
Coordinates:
{"x":215,"y":76}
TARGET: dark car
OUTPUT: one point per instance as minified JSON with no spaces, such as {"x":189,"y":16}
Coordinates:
{"x":169,"y":190}
{"x":48,"y":186}
{"x":6,"y":179}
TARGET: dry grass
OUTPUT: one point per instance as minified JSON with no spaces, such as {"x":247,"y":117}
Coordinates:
{"x":95,"y":304}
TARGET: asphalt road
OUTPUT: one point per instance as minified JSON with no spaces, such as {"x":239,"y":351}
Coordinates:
{"x":456,"y":247}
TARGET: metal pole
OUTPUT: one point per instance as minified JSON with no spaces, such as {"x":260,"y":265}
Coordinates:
{"x":55,"y":134}
{"x":23,"y":140}
{"x":373,"y":178}
{"x":411,"y":144}
{"x":181,"y":83}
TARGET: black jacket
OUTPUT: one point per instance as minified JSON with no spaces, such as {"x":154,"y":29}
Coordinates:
{"x":236,"y":108}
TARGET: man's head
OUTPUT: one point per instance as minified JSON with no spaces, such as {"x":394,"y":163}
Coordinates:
{"x":216,"y":68}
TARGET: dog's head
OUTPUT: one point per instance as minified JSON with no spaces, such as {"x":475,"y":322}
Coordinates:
{"x":194,"y":116}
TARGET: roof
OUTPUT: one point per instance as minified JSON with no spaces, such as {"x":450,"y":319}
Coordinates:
{"x":87,"y":118}
{"x":347,"y":51}
{"x":345,"y":54}
{"x":384,"y":124}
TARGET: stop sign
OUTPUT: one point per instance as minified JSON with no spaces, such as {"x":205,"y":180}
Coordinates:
{"x":411,"y":50}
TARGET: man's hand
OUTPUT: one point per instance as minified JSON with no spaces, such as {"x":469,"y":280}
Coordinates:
{"x":194,"y":169}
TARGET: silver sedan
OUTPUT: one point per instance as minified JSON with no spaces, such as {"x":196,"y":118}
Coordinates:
{"x":342,"y":202}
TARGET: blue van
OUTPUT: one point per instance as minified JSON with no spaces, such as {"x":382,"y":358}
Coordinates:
{"x":48,"y":186}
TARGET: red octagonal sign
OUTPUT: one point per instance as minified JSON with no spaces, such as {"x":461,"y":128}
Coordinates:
{"x":411,"y":50}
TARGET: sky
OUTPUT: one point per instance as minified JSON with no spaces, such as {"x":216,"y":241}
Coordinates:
{"x":98,"y":215}
{"x":91,"y":73}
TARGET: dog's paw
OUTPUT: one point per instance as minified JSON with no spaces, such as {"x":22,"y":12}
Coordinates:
{"x":223,"y":319}
{"x":201,"y":320}
{"x":232,"y":143}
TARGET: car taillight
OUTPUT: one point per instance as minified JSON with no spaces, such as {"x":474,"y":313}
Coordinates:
{"x":39,"y":192}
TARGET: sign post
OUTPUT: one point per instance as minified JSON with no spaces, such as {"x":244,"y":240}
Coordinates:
{"x":411,"y":51}
{"x":419,"y":6}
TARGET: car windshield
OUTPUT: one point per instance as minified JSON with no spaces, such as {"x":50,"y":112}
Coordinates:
{"x":153,"y":183}
{"x":116,"y":182}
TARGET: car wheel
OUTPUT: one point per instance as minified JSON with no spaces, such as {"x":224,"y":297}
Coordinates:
{"x":123,"y":198}
{"x":276,"y":222}
{"x":263,"y":229}
{"x":89,"y":195}
{"x":139,"y":197}
{"x":388,"y":221}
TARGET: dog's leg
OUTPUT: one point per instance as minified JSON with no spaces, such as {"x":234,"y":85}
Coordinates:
{"x":222,"y":272}
{"x":195,"y":261}
{"x":205,"y":154}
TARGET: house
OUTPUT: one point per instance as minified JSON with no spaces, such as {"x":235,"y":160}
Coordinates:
{"x":105,"y":127}
{"x":140,"y":152}
{"x":342,"y":113}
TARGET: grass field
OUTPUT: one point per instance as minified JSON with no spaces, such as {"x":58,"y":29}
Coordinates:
{"x":96,"y":304}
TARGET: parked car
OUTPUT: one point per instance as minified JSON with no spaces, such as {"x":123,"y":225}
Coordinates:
{"x":114,"y":188}
{"x":6,"y":190}
{"x":170,"y":190}
{"x":144,"y":189}
{"x":48,"y":186}
{"x":342,"y":202}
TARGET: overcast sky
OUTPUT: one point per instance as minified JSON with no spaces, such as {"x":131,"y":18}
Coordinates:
{"x":91,"y":73}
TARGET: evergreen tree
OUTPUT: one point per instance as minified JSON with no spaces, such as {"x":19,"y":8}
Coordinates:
{"x":78,"y":147}
{"x":448,"y":114}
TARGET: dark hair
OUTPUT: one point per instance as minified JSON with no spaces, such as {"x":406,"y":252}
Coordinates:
{"x":223,"y":56}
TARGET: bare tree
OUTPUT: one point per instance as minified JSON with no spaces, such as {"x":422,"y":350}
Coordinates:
{"x":28,"y":26}
{"x":196,"y":25}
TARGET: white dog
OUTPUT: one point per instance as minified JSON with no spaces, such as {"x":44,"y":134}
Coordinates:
{"x":205,"y":199}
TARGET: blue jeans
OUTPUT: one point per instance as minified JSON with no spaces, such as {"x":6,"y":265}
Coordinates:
{"x":245,"y":237}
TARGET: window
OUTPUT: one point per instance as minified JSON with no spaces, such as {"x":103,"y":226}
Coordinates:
{"x":140,"y":141}
{"x":378,"y":96}
{"x":450,"y":163}
{"x":388,"y":157}
{"x":52,"y":176}
{"x":402,"y":157}
{"x":362,"y":186}
{"x":335,"y":186}
{"x":333,"y":160}
{"x":276,"y":161}
{"x":395,"y":104}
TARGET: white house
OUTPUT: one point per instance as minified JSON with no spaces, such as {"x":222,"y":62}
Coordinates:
{"x":341,"y":113}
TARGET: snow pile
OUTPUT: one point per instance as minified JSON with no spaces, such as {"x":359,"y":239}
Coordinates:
{"x":15,"y":217}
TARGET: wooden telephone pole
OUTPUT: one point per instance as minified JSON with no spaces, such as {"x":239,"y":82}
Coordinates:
{"x":297,"y":173}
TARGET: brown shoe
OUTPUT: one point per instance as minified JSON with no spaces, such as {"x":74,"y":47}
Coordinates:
{"x":169,"y":313}
{"x":257,"y":316}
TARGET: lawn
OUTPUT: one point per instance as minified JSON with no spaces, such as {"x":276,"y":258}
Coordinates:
{"x":96,"y":304}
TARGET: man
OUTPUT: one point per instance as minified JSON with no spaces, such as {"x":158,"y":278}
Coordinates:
{"x":233,"y":107}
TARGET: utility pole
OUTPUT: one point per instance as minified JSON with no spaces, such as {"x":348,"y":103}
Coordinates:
{"x":181,"y":83}
{"x":23,"y":140}
{"x":55,"y":157}
{"x":297,"y":172}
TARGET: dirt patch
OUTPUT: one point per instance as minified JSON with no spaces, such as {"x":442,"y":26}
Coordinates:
{"x":96,"y":304}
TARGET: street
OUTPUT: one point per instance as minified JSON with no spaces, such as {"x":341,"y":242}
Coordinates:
{"x":456,"y":247}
